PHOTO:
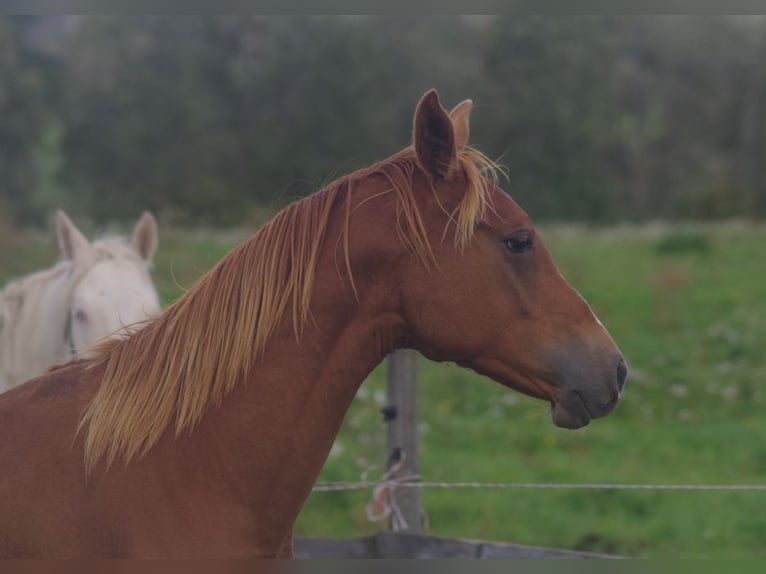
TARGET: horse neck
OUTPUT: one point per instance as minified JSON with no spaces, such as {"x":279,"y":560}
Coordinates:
{"x":34,"y":315}
{"x":284,"y":418}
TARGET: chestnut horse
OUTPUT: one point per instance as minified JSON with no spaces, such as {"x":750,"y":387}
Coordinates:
{"x":202,"y":433}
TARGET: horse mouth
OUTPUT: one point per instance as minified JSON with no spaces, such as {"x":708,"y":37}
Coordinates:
{"x":570,"y":410}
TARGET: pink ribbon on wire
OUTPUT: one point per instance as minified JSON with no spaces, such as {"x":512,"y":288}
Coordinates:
{"x":383,"y":504}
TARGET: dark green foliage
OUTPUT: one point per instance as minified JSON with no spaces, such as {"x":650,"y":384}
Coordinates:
{"x":27,"y":85}
{"x":213,"y":119}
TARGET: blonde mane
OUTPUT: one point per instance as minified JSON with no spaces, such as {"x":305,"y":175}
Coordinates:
{"x":192,"y":355}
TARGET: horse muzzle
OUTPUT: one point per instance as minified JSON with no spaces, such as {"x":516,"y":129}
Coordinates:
{"x":574,"y":405}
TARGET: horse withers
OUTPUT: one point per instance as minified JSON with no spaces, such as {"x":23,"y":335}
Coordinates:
{"x":96,"y":290}
{"x":202,"y":433}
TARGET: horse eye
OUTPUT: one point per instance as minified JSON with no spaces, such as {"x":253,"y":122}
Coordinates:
{"x":80,"y":315}
{"x":519,"y":242}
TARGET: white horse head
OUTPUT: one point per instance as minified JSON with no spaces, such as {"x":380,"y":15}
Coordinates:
{"x":96,"y":291}
{"x":110,"y":285}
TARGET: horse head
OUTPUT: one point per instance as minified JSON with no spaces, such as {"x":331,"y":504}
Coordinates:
{"x":496,"y":302}
{"x":110,"y":285}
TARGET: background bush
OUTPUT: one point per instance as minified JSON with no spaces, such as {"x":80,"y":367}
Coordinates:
{"x":213,"y":119}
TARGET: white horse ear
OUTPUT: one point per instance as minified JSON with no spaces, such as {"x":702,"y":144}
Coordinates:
{"x":460,"y":116}
{"x":72,"y":242}
{"x":145,"y":237}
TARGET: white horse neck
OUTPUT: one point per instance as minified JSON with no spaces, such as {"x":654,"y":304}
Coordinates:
{"x":33,"y":317}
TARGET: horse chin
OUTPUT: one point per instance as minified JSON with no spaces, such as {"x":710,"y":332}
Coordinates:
{"x":570,"y":414}
{"x":571,"y":410}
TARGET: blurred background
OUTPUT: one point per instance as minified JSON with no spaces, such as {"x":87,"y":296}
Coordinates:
{"x":637,"y":144}
{"x":205,"y":119}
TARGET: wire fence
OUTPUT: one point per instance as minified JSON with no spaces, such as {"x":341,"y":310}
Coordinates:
{"x":411,"y":483}
{"x":385,"y":506}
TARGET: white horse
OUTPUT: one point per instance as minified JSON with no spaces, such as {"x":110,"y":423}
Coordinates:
{"x":95,"y":291}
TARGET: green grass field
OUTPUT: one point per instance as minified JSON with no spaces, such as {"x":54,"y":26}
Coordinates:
{"x":687,"y":307}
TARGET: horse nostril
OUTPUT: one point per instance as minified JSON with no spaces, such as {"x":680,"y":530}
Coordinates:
{"x":622,"y":374}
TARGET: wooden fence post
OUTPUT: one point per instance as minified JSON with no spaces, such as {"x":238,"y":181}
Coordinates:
{"x":403,"y":436}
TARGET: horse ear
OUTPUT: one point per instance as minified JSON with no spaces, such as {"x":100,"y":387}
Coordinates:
{"x":145,"y":236}
{"x":460,"y":116}
{"x":434,"y":137}
{"x":71,"y":241}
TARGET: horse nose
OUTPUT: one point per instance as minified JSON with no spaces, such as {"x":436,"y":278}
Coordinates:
{"x":622,"y":374}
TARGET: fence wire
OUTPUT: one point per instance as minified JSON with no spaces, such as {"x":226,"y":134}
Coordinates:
{"x":367,"y":485}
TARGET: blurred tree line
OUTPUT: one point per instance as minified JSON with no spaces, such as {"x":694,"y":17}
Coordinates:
{"x":215,"y":119}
